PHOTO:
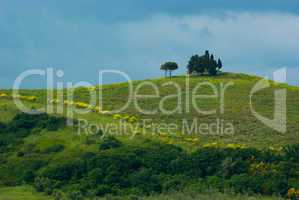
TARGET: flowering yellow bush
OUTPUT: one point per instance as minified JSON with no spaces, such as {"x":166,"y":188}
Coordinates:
{"x":25,"y":98}
{"x":169,"y":142}
{"x":276,"y":149}
{"x":260,"y":168}
{"x":3,"y":95}
{"x":81,"y":105}
{"x":117,"y":116}
{"x":228,"y":146}
{"x":55,"y":101}
{"x":93,"y":88}
{"x":293,"y":193}
{"x":263,"y":168}
{"x":211,"y":145}
{"x":195,"y":140}
{"x":30,"y":98}
{"x":126,"y":117}
{"x":163,"y":134}
{"x":133,"y":119}
{"x":97,"y":109}
{"x":235,"y":146}
{"x":188,"y":139}
{"x":68,"y":103}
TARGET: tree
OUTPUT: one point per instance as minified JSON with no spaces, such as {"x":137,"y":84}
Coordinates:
{"x":164,"y":68}
{"x":196,"y":64}
{"x":192,"y":64}
{"x":169,"y":66}
{"x":207,"y":54}
{"x":219,"y":64}
{"x":212,"y":66}
{"x":211,"y":58}
{"x":204,"y":64}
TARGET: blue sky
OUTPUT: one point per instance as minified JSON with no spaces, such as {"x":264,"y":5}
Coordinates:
{"x":136,"y":36}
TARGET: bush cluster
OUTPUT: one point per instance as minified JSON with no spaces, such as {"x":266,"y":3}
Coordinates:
{"x":119,"y":168}
{"x":24,"y":124}
{"x":156,"y":168}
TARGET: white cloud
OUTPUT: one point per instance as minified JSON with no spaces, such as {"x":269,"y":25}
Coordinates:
{"x":245,"y":41}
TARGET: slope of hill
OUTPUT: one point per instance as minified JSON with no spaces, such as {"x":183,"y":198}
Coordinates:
{"x":236,"y":108}
{"x":42,"y":151}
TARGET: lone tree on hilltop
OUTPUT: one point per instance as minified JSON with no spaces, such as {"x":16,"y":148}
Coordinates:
{"x":169,"y":66}
{"x":205,"y":64}
{"x":164,"y":68}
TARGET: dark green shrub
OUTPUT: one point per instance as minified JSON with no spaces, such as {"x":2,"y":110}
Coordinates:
{"x":245,"y":183}
{"x":65,"y":171}
{"x":206,"y":161}
{"x":102,"y":190}
{"x":24,"y":123}
{"x":29,"y":176}
{"x":174,"y":183}
{"x":58,"y":195}
{"x":54,"y":148}
{"x":75,"y":195}
{"x":216,"y":183}
{"x":275,"y":185}
{"x":292,"y":152}
{"x":54,"y":123}
{"x":145,"y":180}
{"x":110,"y":143}
{"x":2,"y":127}
{"x":43,"y":184}
{"x":96,"y":175}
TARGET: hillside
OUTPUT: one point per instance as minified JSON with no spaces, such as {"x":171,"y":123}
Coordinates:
{"x":42,"y":151}
{"x":247,"y":129}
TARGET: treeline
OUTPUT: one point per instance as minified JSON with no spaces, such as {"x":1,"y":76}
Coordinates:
{"x":120,"y":169}
{"x":198,"y":65}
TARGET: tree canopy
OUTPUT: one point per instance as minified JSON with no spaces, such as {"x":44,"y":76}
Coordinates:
{"x":169,"y":66}
{"x":204,"y":64}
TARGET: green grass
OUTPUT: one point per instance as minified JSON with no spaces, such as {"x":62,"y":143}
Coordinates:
{"x":21,"y":193}
{"x":213,"y":196}
{"x":28,"y":193}
{"x":247,"y":129}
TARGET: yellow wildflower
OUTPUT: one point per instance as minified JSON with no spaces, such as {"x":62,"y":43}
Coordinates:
{"x":3,"y":95}
{"x":117,"y":116}
{"x":133,"y":119}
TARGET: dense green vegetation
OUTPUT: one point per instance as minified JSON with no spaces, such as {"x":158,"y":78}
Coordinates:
{"x":40,"y":151}
{"x":151,"y":167}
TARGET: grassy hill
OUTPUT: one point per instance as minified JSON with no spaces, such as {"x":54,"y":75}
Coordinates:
{"x":37,"y":150}
{"x":247,"y":129}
